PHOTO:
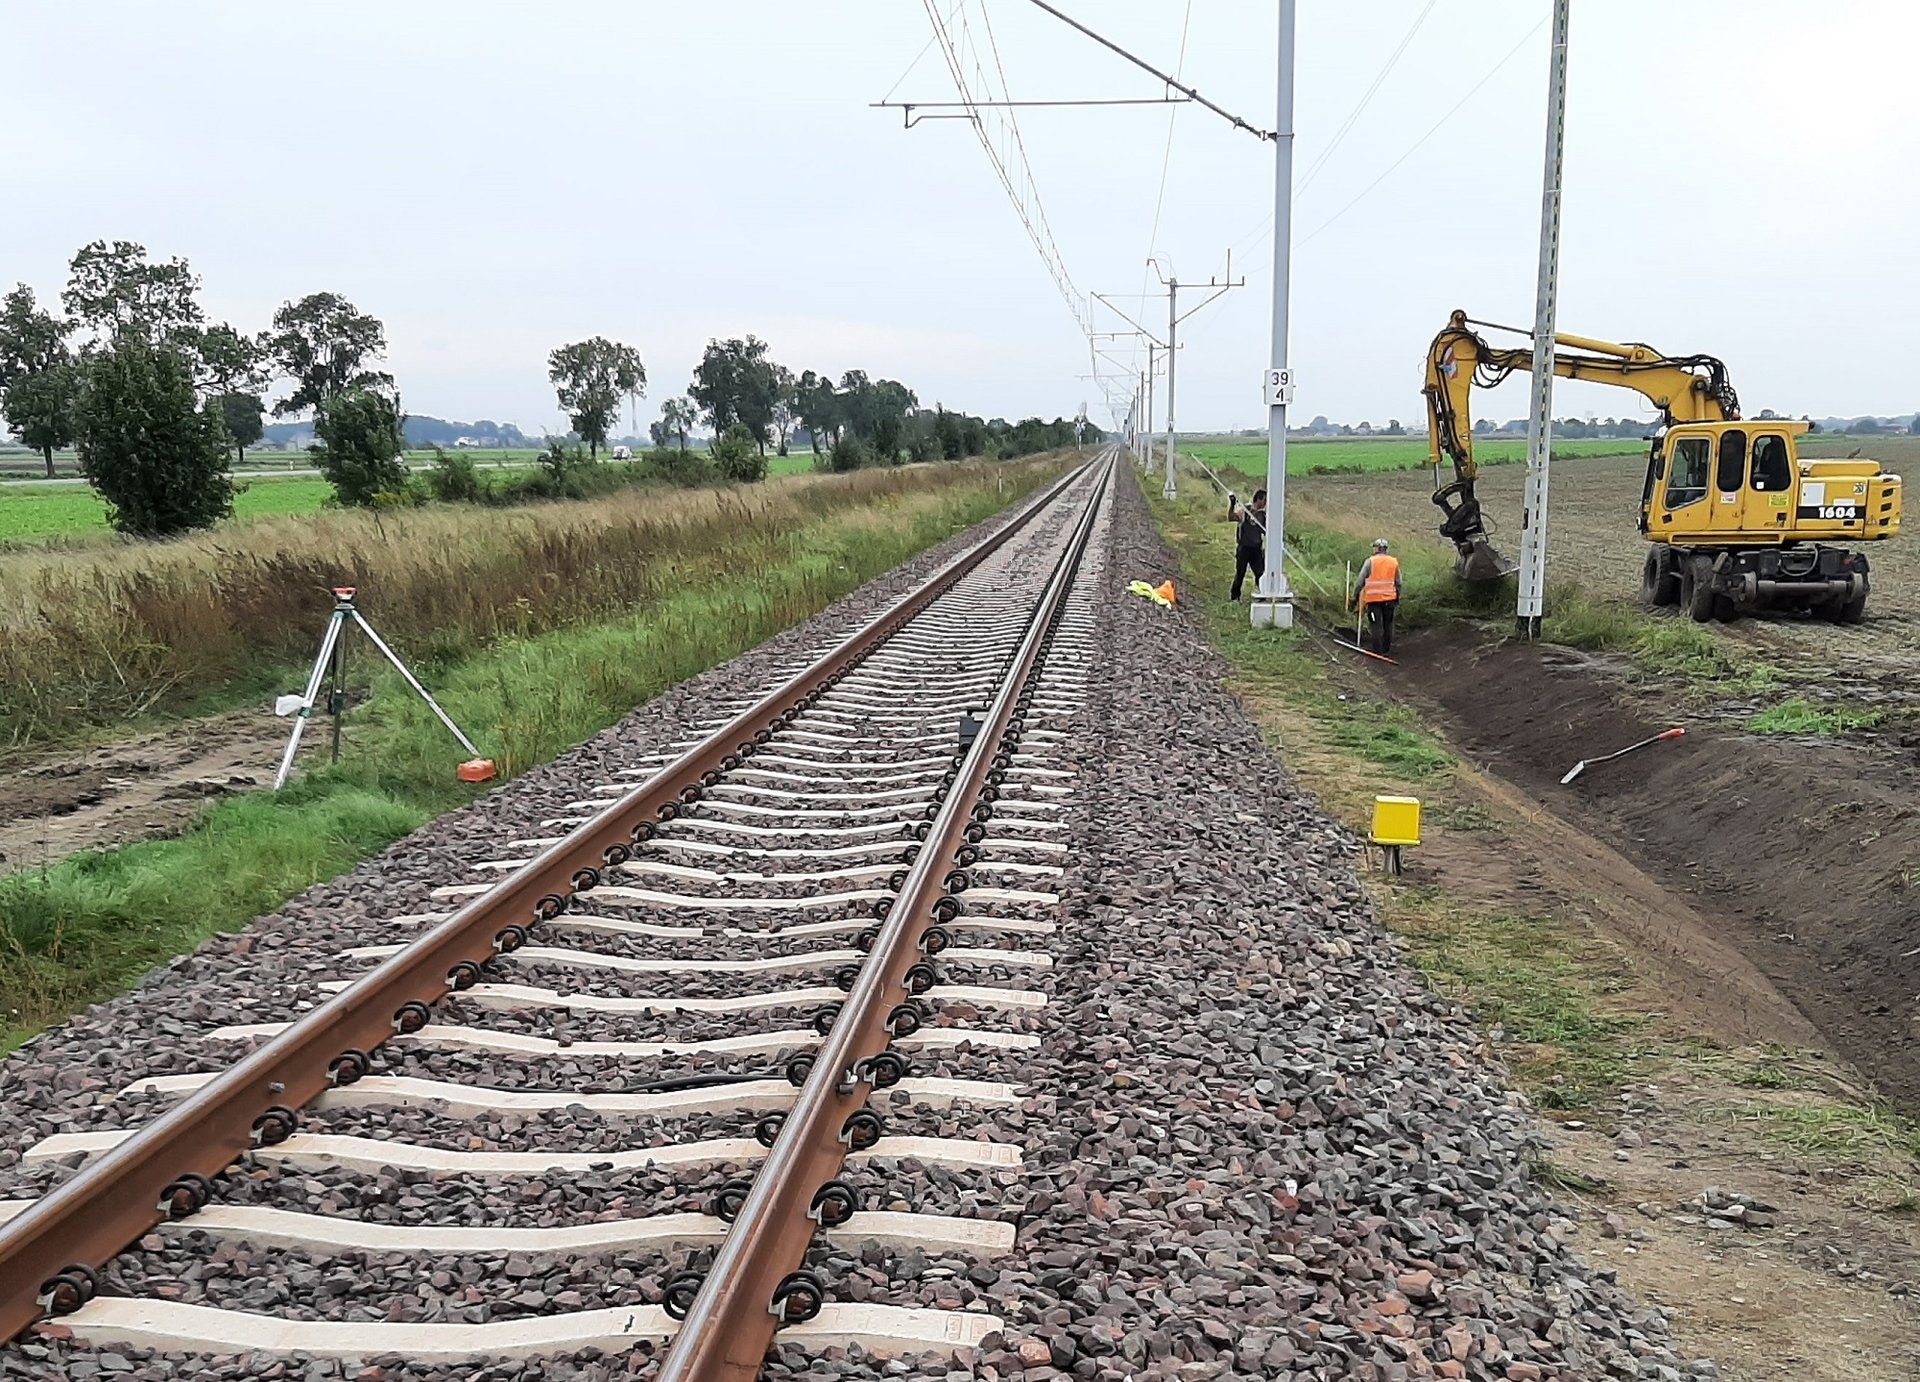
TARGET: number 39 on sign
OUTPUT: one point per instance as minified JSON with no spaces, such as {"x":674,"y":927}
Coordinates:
{"x":1277,"y":385}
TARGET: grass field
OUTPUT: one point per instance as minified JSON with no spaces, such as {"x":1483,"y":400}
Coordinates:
{"x":1360,"y":456}
{"x":32,"y":513}
{"x":39,"y":512}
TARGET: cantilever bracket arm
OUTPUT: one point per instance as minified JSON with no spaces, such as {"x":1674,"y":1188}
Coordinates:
{"x":964,"y":110}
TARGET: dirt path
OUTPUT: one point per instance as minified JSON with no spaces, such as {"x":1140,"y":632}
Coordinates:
{"x":139,"y":788}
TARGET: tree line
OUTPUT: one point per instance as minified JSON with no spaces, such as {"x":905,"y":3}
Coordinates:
{"x":156,"y":399}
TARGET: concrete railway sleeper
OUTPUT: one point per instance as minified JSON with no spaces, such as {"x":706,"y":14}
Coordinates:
{"x":863,"y":711}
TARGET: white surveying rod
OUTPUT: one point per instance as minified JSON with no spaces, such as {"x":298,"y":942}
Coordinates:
{"x":1173,"y":324}
{"x":1272,"y":597}
{"x":1533,"y":513}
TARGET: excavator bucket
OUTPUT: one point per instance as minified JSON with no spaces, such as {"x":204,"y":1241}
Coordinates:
{"x":1478,"y":561}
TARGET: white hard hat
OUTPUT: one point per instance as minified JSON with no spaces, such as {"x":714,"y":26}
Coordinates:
{"x":1379,"y":544}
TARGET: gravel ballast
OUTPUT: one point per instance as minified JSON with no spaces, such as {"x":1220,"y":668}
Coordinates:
{"x":1255,"y":1145}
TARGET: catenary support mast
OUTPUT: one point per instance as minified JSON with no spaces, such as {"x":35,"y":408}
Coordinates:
{"x":1533,"y":515}
{"x":1273,"y":598}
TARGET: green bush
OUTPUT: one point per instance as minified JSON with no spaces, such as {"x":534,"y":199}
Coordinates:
{"x":359,"y":446}
{"x":157,"y":458}
{"x":850,"y":453}
{"x":454,"y":479}
{"x":737,"y":458}
{"x":671,"y":465}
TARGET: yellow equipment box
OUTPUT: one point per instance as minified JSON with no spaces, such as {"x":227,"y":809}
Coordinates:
{"x":1396,"y":821}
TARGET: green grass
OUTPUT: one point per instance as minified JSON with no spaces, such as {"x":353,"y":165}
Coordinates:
{"x":35,"y":513}
{"x":88,"y":925}
{"x":1797,"y":715}
{"x":1361,"y":455}
{"x":1519,"y":974}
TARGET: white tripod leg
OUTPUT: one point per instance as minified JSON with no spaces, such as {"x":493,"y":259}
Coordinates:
{"x":327,"y":640}
{"x":401,"y":668}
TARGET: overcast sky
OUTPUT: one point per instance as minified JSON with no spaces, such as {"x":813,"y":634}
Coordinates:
{"x":492,"y":179}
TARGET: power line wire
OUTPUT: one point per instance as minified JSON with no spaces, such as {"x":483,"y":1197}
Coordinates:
{"x":1366,"y":98}
{"x":1254,"y":236}
{"x":1433,"y":130}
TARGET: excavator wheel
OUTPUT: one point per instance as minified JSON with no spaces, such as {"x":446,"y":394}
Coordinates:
{"x":1696,"y":588}
{"x":1852,"y":611}
{"x":1659,"y":583}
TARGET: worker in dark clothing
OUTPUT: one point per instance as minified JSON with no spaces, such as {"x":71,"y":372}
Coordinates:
{"x":1379,"y":595}
{"x":1250,"y":543}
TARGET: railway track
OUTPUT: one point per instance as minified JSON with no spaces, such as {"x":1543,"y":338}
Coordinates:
{"x":724,"y":1026}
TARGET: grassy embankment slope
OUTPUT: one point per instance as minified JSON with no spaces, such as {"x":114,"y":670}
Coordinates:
{"x":536,"y":627}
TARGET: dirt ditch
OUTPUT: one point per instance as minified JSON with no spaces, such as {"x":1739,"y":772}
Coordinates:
{"x":150,"y":785}
{"x":1802,"y":855}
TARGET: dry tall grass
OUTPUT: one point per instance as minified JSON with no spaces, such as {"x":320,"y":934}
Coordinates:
{"x":92,"y":637}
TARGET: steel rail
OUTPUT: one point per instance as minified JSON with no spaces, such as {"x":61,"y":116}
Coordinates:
{"x":734,"y":1318}
{"x":49,"y":1253}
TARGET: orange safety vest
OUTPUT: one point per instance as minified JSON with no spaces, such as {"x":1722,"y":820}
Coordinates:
{"x":1383,"y":573}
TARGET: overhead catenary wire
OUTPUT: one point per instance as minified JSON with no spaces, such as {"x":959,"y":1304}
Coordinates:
{"x":1434,"y":129}
{"x":1034,"y":222}
{"x":1261,"y":232}
{"x":1146,"y":66}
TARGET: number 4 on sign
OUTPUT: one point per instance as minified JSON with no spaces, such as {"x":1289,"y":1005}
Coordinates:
{"x":1278,"y":387}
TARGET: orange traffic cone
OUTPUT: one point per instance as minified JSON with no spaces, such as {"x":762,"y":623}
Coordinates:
{"x":1165,"y":590}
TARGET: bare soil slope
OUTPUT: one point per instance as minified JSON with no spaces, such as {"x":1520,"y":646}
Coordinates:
{"x":1805,"y":850}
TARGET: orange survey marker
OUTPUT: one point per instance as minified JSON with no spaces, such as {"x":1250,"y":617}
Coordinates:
{"x":1165,"y":590}
{"x":475,"y":770}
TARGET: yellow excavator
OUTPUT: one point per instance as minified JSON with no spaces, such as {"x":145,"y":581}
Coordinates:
{"x":1739,"y":521}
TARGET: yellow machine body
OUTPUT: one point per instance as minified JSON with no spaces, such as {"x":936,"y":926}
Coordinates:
{"x":1740,"y":520}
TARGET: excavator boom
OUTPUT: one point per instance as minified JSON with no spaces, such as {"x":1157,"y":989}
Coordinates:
{"x":1693,"y":388}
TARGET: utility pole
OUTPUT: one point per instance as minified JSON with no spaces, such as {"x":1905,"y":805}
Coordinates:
{"x":1272,"y":597}
{"x":1533,"y":514}
{"x":1174,"y":317}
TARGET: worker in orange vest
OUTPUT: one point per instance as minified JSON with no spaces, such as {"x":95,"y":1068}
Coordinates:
{"x":1379,"y":595}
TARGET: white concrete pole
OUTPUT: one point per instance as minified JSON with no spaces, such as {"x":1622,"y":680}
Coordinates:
{"x":1171,"y":490}
{"x":1273,"y":598}
{"x":1533,"y":515}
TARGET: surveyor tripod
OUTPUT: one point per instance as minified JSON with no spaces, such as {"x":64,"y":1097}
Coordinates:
{"x":331,"y":666}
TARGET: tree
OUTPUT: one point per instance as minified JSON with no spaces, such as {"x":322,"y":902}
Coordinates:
{"x":738,"y":460}
{"x":230,"y":362}
{"x":590,"y":378}
{"x":818,"y":404}
{"x":736,"y":383}
{"x":155,"y":456}
{"x":1394,"y":429}
{"x":114,"y":290}
{"x":1915,"y":428}
{"x":39,"y":408}
{"x":323,"y":343}
{"x":360,"y":441}
{"x":33,"y":343}
{"x":678,"y":416}
{"x":241,"y":414}
{"x":786,"y":406}
{"x":30,"y":339}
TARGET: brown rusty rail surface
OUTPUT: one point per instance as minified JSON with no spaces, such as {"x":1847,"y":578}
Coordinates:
{"x":756,"y":1282}
{"x":49,"y":1253}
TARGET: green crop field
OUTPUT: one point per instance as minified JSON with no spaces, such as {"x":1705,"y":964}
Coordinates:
{"x":1357,"y":456}
{"x":35,"y":513}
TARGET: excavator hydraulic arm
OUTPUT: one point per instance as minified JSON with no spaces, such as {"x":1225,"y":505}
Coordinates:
{"x":1692,"y":388}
